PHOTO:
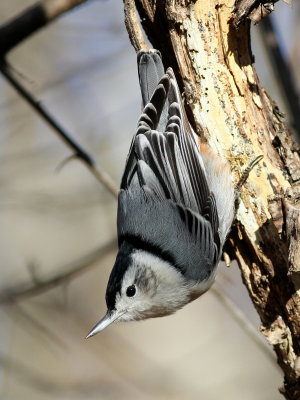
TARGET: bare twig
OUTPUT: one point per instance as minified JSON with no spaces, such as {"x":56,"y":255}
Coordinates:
{"x":38,"y":380}
{"x":26,"y":319}
{"x":283,"y":72}
{"x":101,"y":175}
{"x":31,"y":20}
{"x":133,"y":27}
{"x":243,"y":322}
{"x":69,"y":272}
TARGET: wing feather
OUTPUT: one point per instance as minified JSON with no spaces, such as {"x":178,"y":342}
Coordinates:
{"x":164,"y":161}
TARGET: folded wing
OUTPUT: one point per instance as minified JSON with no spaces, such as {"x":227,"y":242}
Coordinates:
{"x":164,"y":163}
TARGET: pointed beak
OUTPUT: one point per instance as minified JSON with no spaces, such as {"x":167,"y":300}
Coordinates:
{"x":109,"y":318}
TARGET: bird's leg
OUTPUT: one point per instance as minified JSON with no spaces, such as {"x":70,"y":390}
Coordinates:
{"x":243,"y":180}
{"x":238,"y":186}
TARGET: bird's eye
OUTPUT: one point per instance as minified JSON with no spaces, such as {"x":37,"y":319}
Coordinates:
{"x":130,"y":291}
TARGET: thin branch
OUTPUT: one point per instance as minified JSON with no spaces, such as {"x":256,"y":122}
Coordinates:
{"x":283,"y":72}
{"x":133,"y":27}
{"x":31,"y":20}
{"x":243,"y":322}
{"x":69,"y":272}
{"x":101,"y":175}
{"x":35,"y":378}
{"x":40,"y":109}
{"x":22,"y":317}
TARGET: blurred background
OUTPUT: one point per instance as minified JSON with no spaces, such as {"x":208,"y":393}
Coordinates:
{"x":83,"y":68}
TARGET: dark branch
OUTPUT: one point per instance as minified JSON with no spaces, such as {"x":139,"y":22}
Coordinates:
{"x":41,"y":110}
{"x":101,"y":176}
{"x":31,"y":20}
{"x":283,"y":72}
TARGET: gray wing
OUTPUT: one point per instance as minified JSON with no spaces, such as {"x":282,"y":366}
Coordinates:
{"x":165,"y":163}
{"x":161,"y":227}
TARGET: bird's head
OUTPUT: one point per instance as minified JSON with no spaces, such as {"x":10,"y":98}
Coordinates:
{"x":142,"y":285}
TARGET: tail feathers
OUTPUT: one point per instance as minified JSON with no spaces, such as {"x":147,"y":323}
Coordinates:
{"x":151,"y":69}
{"x":155,"y":112}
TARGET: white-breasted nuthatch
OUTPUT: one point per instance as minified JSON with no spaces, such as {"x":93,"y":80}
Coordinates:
{"x":175,"y":208}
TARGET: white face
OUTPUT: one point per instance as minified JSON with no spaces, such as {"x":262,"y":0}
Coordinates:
{"x":150,"y":288}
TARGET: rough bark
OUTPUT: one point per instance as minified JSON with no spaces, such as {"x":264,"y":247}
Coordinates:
{"x":232,"y":112}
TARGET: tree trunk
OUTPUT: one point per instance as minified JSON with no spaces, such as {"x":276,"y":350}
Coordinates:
{"x":232,"y":112}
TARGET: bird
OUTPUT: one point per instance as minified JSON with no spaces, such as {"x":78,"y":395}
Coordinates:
{"x":175,"y":208}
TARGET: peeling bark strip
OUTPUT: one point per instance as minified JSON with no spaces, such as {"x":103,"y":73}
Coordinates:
{"x":255,"y":10}
{"x":231,"y":111}
{"x":292,"y":218}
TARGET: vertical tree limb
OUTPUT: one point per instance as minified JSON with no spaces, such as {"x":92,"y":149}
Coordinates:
{"x":232,"y":112}
{"x":133,"y":27}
